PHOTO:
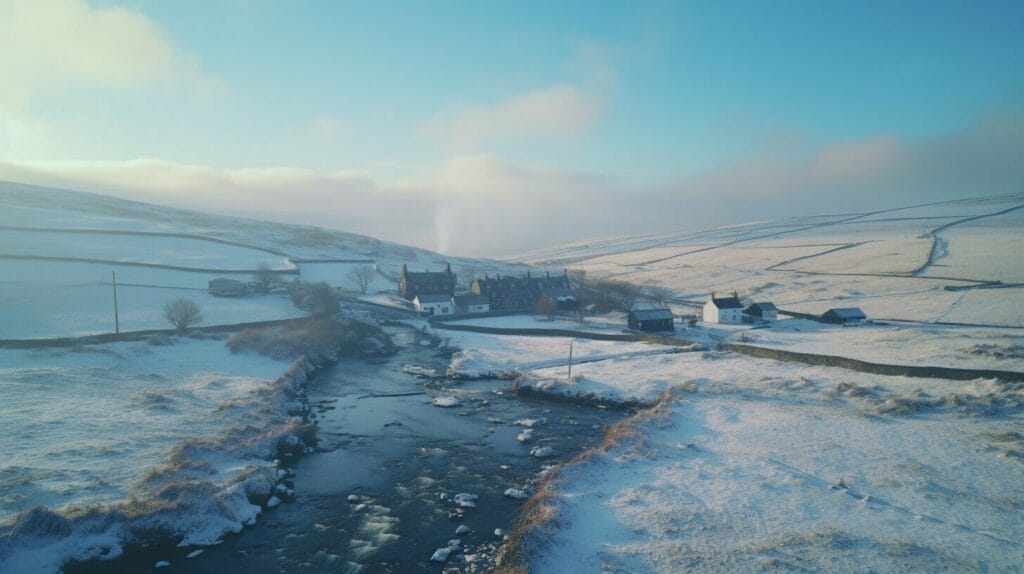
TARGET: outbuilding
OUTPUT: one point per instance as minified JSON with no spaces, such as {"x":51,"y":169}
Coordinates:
{"x":471,"y":303}
{"x":652,"y":320}
{"x":845,"y":316}
{"x":224,"y":287}
{"x":761,"y":312}
{"x":433,"y":304}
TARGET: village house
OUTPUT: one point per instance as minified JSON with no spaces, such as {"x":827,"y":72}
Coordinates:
{"x":434,"y":304}
{"x":844,"y":316}
{"x":725,"y":310}
{"x":761,"y":312}
{"x":522,"y":293}
{"x":471,"y":303}
{"x":224,"y":287}
{"x":411,"y":284}
{"x":651,"y":320}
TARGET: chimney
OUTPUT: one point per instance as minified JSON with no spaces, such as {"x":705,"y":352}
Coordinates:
{"x":404,"y":269}
{"x":547,"y":274}
{"x":527,"y":273}
{"x":734,"y":295}
{"x":448,"y":267}
{"x":565,"y":272}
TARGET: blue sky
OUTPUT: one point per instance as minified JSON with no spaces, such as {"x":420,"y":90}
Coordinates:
{"x":453,"y":106}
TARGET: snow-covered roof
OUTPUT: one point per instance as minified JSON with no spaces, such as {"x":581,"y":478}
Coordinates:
{"x":651,"y":314}
{"x":433,"y":298}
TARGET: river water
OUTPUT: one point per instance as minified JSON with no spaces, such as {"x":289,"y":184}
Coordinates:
{"x":404,"y":460}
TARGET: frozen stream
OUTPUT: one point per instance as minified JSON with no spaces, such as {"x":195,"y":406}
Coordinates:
{"x":405,"y":460}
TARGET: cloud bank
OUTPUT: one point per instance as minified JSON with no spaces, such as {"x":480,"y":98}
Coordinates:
{"x":485,"y":205}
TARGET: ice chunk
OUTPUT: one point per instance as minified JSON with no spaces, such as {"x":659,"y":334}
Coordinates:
{"x":446,"y":402}
{"x":274,"y":501}
{"x":543,"y":451}
{"x":466,"y":500}
{"x":195,"y":553}
{"x":517,"y":493}
{"x":462,"y":529}
{"x":524,"y":436}
{"x":162,"y":564}
{"x":353,"y":498}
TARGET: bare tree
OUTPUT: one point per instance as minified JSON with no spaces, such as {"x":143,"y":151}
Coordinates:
{"x":658,"y":294}
{"x":182,"y":313}
{"x":362,"y":276}
{"x":546,"y":306}
{"x":577,"y":278}
{"x":626,"y":294}
{"x":264,"y":276}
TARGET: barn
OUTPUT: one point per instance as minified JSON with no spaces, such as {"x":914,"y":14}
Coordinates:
{"x":652,"y":320}
{"x":844,"y":316}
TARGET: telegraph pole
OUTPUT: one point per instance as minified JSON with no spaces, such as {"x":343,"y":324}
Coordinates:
{"x":113,"y":283}
{"x":569,"y":377}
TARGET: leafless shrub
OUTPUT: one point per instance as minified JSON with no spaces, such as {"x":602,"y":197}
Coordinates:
{"x":182,"y":313}
{"x":362,"y":276}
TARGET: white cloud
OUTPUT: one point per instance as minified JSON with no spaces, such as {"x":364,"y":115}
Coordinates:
{"x":560,"y":111}
{"x":51,"y":45}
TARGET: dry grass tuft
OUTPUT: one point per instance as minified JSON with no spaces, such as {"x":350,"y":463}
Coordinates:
{"x":539,"y":511}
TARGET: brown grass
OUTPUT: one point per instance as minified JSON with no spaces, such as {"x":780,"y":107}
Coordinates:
{"x":540,"y":511}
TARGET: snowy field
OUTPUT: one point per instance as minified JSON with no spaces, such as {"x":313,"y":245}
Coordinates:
{"x":342,"y":275}
{"x":611,"y":322}
{"x":109,"y":428}
{"x":41,"y":299}
{"x":481,"y":355}
{"x":898,"y":343}
{"x":175,"y":251}
{"x":760,"y":465}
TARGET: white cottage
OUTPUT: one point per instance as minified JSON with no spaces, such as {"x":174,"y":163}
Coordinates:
{"x":723,"y":310}
{"x":434,"y":304}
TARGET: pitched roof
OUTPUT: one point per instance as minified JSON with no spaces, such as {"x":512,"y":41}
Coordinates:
{"x":727,"y":302}
{"x":433,"y":298}
{"x":559,"y":293}
{"x":847,"y":313}
{"x":467,"y":300}
{"x":651,"y":314}
{"x":766,"y":306}
{"x":416,"y":277}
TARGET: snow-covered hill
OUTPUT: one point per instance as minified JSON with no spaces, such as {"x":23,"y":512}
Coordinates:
{"x":953,"y":261}
{"x":58,"y":249}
